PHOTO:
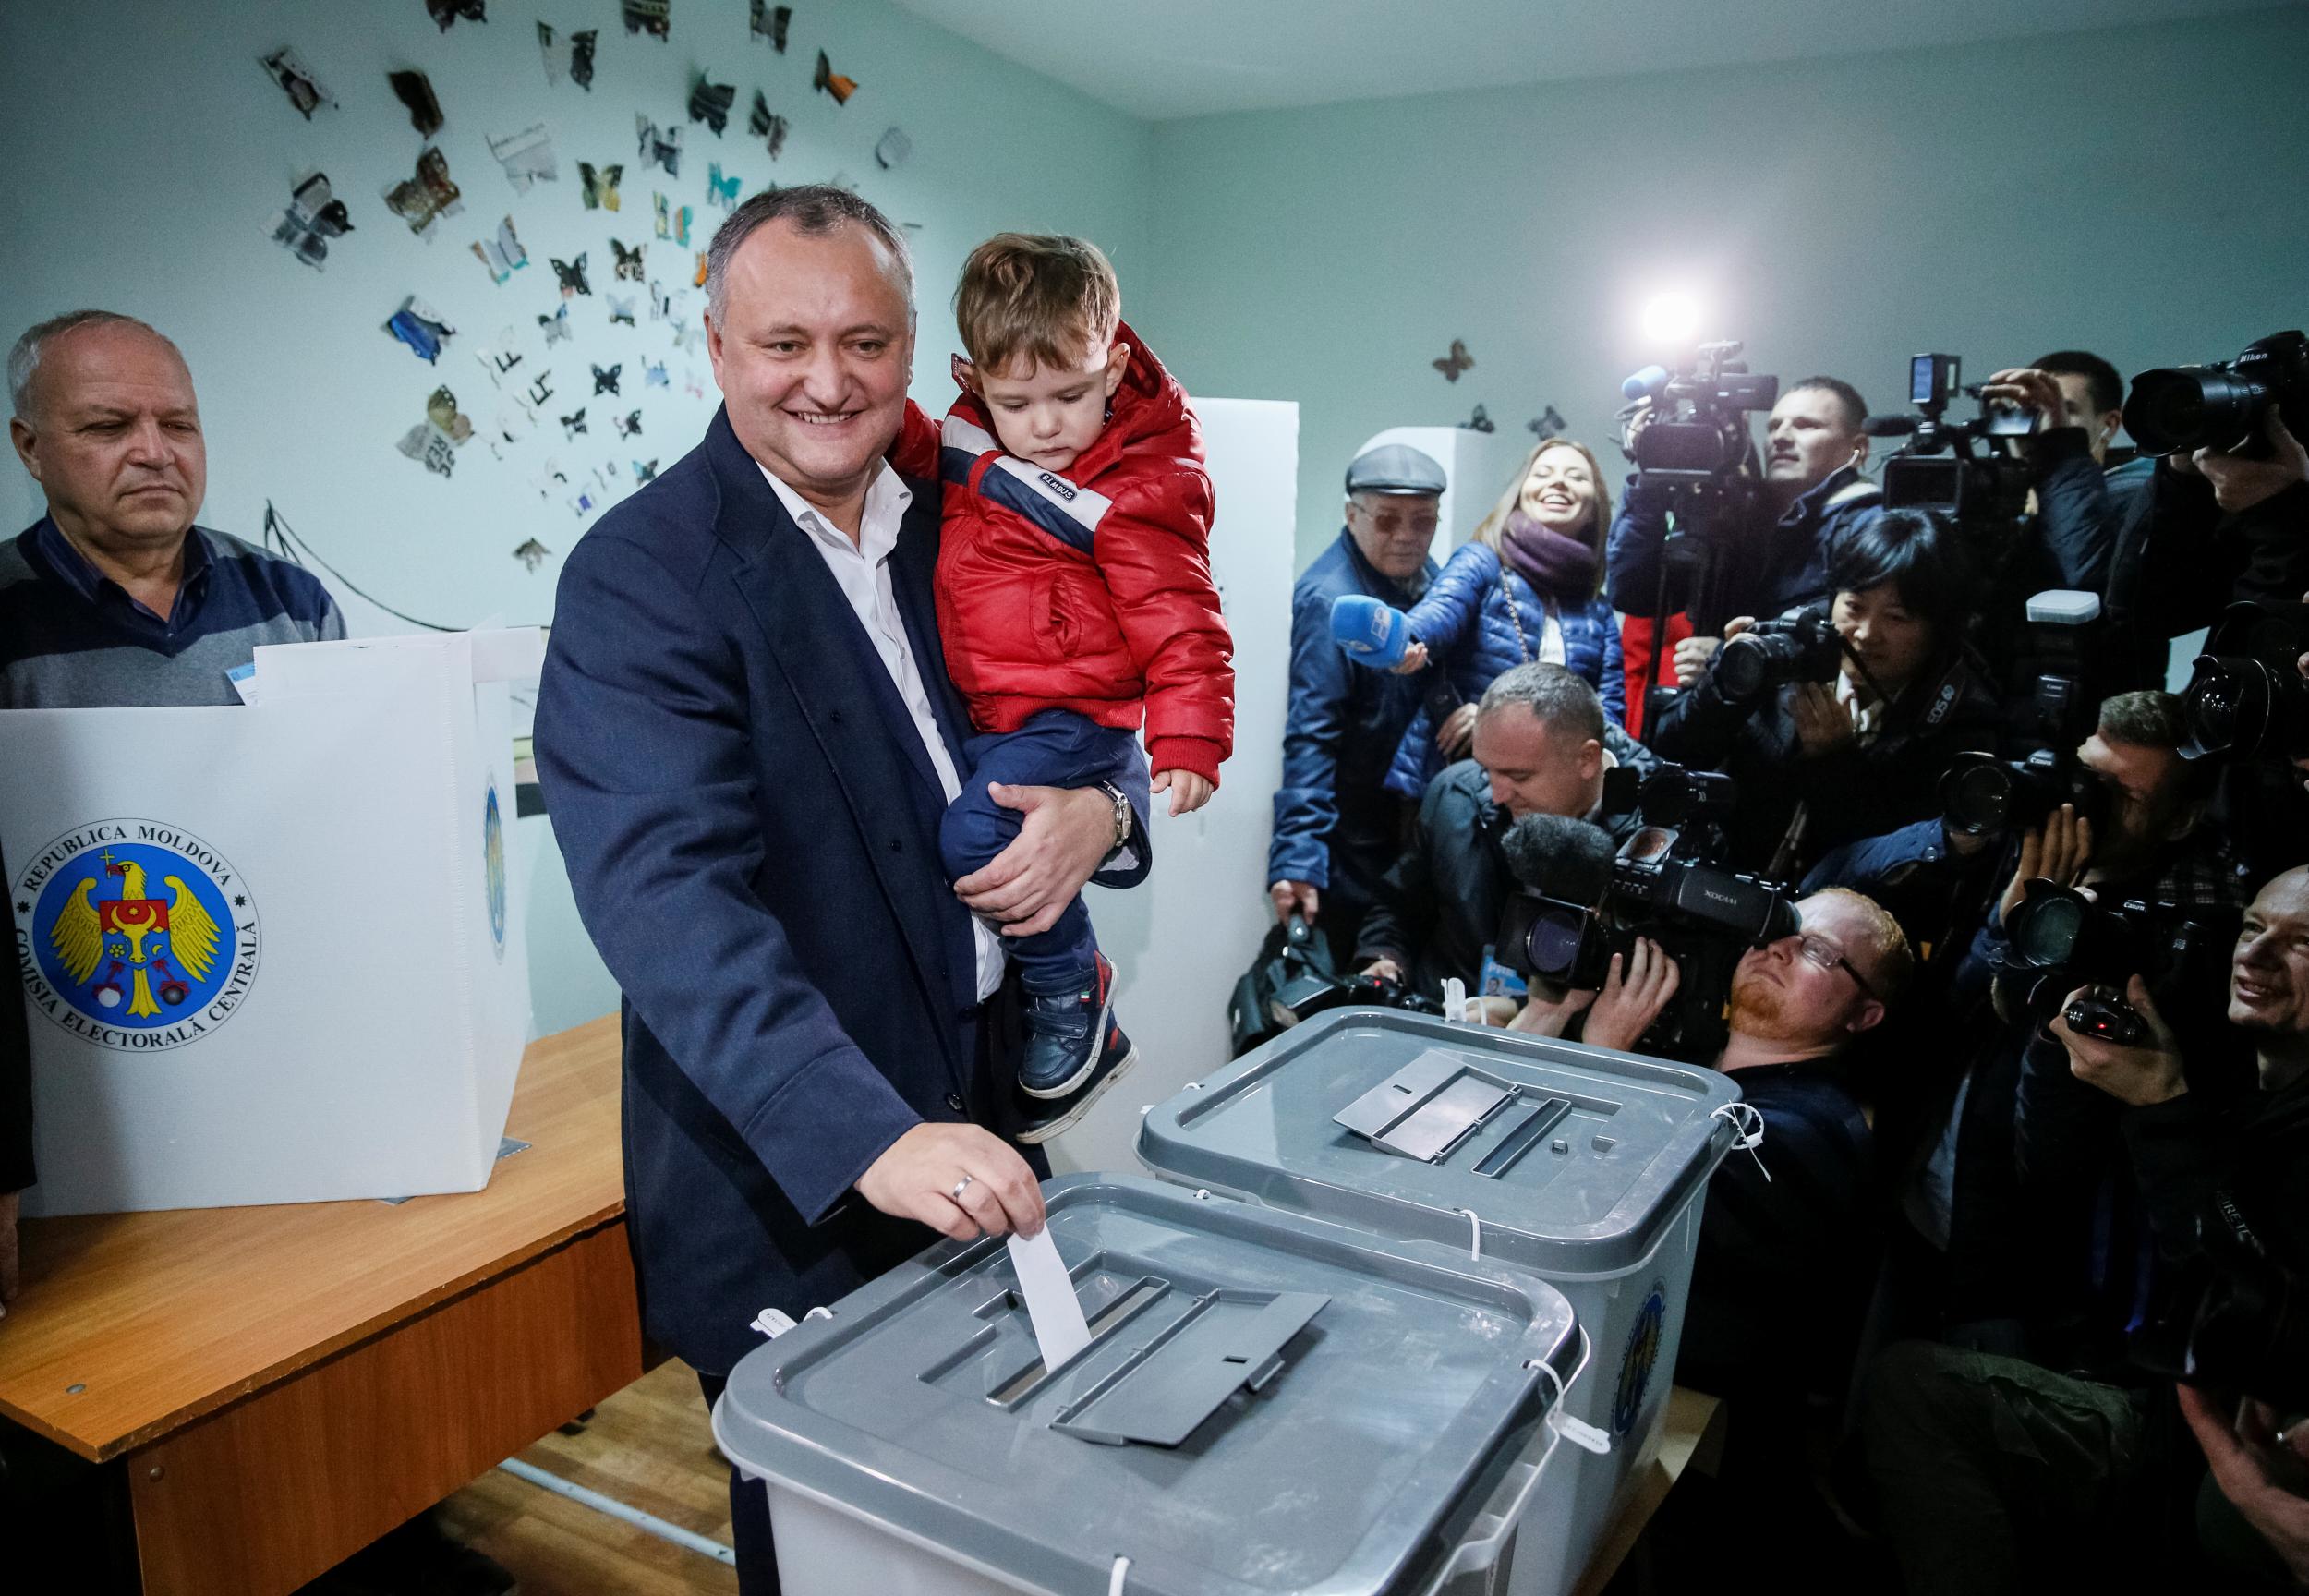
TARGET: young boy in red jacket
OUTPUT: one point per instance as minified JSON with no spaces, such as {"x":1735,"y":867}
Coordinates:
{"x":1075,"y":601}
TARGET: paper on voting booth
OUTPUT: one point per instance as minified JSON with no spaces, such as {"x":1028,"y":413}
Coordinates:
{"x":1060,"y":1331}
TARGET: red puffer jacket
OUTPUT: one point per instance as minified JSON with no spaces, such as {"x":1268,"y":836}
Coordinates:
{"x":1091,"y":591}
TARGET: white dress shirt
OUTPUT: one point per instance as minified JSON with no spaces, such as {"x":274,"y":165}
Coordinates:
{"x":862,"y":571}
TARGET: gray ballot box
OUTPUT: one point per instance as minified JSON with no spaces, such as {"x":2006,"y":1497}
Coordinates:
{"x":1269,"y":1403}
{"x":1584,"y":1165}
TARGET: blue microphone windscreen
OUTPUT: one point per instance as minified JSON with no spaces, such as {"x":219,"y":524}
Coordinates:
{"x":1645,"y":384}
{"x":1369,"y":629}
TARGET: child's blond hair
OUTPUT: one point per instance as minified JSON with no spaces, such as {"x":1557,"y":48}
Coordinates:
{"x":1043,"y":296}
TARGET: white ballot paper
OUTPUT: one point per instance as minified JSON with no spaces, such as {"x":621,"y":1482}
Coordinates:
{"x":1060,"y":1329}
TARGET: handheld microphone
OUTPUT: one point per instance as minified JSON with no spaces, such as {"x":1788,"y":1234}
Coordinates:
{"x":1372,"y":632}
{"x":1645,"y":384}
{"x":1565,"y":859}
{"x":1888,"y":425}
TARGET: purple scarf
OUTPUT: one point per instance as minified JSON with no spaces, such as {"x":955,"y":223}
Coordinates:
{"x":1561,"y":568}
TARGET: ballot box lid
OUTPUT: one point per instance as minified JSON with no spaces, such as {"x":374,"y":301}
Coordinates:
{"x":1563,"y":1159}
{"x":1268,"y":1403}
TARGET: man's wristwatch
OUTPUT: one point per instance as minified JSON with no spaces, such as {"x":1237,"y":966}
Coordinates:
{"x":1122,"y":816}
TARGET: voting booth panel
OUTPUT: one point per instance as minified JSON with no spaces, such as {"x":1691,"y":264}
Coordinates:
{"x":1179,"y":938}
{"x":274,"y":953}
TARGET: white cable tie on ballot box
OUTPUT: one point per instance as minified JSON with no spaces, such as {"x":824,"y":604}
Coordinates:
{"x":773,"y":1324}
{"x":1121,"y":1573}
{"x":1578,"y":1431}
{"x":1747,"y":1130}
{"x":1475,"y":1233}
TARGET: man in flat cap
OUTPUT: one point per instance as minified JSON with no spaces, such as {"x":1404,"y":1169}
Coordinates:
{"x":1336,"y":827}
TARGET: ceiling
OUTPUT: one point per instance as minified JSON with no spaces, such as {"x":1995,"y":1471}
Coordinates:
{"x":1159,"y":59}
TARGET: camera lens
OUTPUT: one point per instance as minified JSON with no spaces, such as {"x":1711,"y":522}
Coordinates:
{"x":2227,"y":706}
{"x":1979,"y":798}
{"x":1751,"y":662}
{"x":2188,"y":407}
{"x":1552,"y":943}
{"x":2046,"y":928}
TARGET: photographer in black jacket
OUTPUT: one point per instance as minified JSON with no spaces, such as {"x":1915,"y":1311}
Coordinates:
{"x":1543,"y":744}
{"x":1818,"y":764}
{"x":1992,"y":1471}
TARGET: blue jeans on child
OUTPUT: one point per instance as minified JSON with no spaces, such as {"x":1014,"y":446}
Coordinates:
{"x":1054,"y":748}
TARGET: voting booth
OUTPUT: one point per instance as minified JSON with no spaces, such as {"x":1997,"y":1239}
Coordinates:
{"x":274,"y":953}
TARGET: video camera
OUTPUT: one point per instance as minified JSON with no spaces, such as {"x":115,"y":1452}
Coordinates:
{"x":1311,"y":994}
{"x":1964,"y":470}
{"x":1583,"y":901}
{"x":2246,"y":1332}
{"x":2245,"y":698}
{"x":2178,"y":409}
{"x":1697,"y":432}
{"x":2058,"y":939}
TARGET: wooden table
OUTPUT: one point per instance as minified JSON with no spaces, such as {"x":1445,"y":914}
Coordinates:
{"x":284,"y":1384}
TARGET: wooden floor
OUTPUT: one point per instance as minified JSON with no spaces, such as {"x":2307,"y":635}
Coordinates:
{"x":649,"y":1447}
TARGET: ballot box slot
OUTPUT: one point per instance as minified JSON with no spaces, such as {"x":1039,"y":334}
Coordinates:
{"x":1428,"y":1107}
{"x":1228,"y":1341}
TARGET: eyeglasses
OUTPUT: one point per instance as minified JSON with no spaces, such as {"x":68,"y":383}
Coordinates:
{"x":1826,"y":955}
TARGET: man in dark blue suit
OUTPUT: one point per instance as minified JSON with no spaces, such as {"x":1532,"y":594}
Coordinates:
{"x":746,"y":738}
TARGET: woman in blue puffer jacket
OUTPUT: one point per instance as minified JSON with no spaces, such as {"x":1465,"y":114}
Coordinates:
{"x":1526,"y":586}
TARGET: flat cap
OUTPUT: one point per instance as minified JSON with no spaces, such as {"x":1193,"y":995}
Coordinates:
{"x":1395,"y":468}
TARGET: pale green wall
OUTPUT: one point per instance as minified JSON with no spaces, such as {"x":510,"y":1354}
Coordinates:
{"x":2137,"y":191}
{"x":149,"y":156}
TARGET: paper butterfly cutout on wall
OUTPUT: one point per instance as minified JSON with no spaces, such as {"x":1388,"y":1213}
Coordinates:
{"x":420,"y":326}
{"x":833,"y":82}
{"x":893,"y":149}
{"x":709,"y":104}
{"x":447,"y":11}
{"x":659,"y":146}
{"x":1479,"y":422}
{"x":699,"y":280}
{"x":528,"y":157}
{"x":628,"y":424}
{"x":416,"y":90}
{"x":654,"y":375}
{"x":766,"y":126}
{"x":769,"y":22}
{"x":503,"y":254}
{"x":621,"y":311}
{"x":424,"y":200}
{"x":1458,"y":360}
{"x":721,"y":192}
{"x":540,"y":389}
{"x":532,"y":554}
{"x":606,"y":382}
{"x":573,"y":276}
{"x":673,"y":223}
{"x":572,"y":425}
{"x":600,"y":191}
{"x":626,"y":267}
{"x":556,"y":325}
{"x":314,"y":216}
{"x":499,"y":358}
{"x":304,"y":91}
{"x":577,"y":54}
{"x":653,"y":18}
{"x":1546,"y":425}
{"x":645,"y":471}
{"x":693,"y":384}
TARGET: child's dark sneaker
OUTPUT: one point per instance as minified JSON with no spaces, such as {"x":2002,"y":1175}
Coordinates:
{"x":1064,"y":1033}
{"x":1045,"y":1119}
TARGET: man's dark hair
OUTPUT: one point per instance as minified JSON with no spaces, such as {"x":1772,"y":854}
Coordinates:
{"x":1848,"y":398}
{"x":1558,"y":699}
{"x":2101,"y":379}
{"x":813,"y":210}
{"x":1918,"y":553}
{"x":2153,"y":720}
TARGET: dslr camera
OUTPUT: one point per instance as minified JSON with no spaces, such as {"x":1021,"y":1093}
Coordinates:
{"x":1582,"y":900}
{"x":1770,"y":654}
{"x":2224,"y":405}
{"x":2058,"y":939}
{"x":1968,"y":471}
{"x":2245,"y":698}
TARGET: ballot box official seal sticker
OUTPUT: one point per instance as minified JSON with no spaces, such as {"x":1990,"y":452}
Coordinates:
{"x":1635,"y":1363}
{"x":135,"y":935}
{"x":493,"y":867}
